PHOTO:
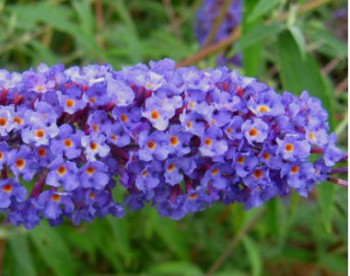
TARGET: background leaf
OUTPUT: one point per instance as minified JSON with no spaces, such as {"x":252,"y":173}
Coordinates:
{"x":53,"y":250}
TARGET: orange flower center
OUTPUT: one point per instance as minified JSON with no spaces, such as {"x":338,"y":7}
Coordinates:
{"x":93,"y":146}
{"x":174,"y":140}
{"x":3,"y":121}
{"x":20,"y":163}
{"x":171,"y":167}
{"x":266,"y":156}
{"x":258,"y":173}
{"x":40,"y":133}
{"x":263,"y":108}
{"x":155,"y":115}
{"x":55,"y":197}
{"x":151,"y":144}
{"x":124,"y":118}
{"x":62,"y":170}
{"x":289,"y":147}
{"x":42,"y":152}
{"x":40,"y":88}
{"x":253,"y":132}
{"x":70,"y":103}
{"x":95,"y":127}
{"x":193,"y":196}
{"x":215,"y":172}
{"x":240,"y":160}
{"x":312,"y":136}
{"x":295,"y":169}
{"x":18,"y":120}
{"x":90,"y":170}
{"x":68,"y":143}
{"x":7,"y":188}
{"x":208,"y":142}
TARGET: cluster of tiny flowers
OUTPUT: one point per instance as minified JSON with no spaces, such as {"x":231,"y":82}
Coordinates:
{"x":207,"y":15}
{"x":176,"y":139}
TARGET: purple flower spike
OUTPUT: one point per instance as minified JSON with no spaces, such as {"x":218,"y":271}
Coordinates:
{"x":176,"y":139}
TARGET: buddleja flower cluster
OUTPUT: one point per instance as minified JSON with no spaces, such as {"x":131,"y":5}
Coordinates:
{"x":208,"y":14}
{"x":177,"y":139}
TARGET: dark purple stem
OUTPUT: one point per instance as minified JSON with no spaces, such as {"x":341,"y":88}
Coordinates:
{"x":339,"y":170}
{"x":338,"y":181}
{"x":317,"y":150}
{"x":4,"y":173}
{"x":344,"y":157}
{"x":39,"y":185}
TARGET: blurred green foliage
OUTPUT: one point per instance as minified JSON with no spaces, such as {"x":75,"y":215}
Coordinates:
{"x":290,"y":236}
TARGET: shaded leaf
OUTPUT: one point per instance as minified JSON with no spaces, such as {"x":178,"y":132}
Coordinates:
{"x":299,"y":39}
{"x":256,"y":35}
{"x":298,"y":74}
{"x":326,"y":193}
{"x":253,"y":254}
{"x":53,"y":250}
{"x":173,"y":238}
{"x":175,"y":268}
{"x":20,"y":249}
{"x":263,"y":7}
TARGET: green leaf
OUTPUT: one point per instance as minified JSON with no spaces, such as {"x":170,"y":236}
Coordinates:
{"x":330,"y":44}
{"x":121,"y":238}
{"x":299,"y":39}
{"x":174,"y":239}
{"x":326,"y":194}
{"x":272,"y":216}
{"x":298,"y":74}
{"x":19,"y":246}
{"x":256,"y":35}
{"x":175,"y":268}
{"x":99,"y":233}
{"x":251,"y":54}
{"x":263,"y":7}
{"x":253,"y":254}
{"x":86,"y":17}
{"x":231,"y":273}
{"x":53,"y":250}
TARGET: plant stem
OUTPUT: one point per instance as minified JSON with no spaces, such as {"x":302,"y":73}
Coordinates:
{"x":217,"y":22}
{"x":338,"y":181}
{"x":339,"y":170}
